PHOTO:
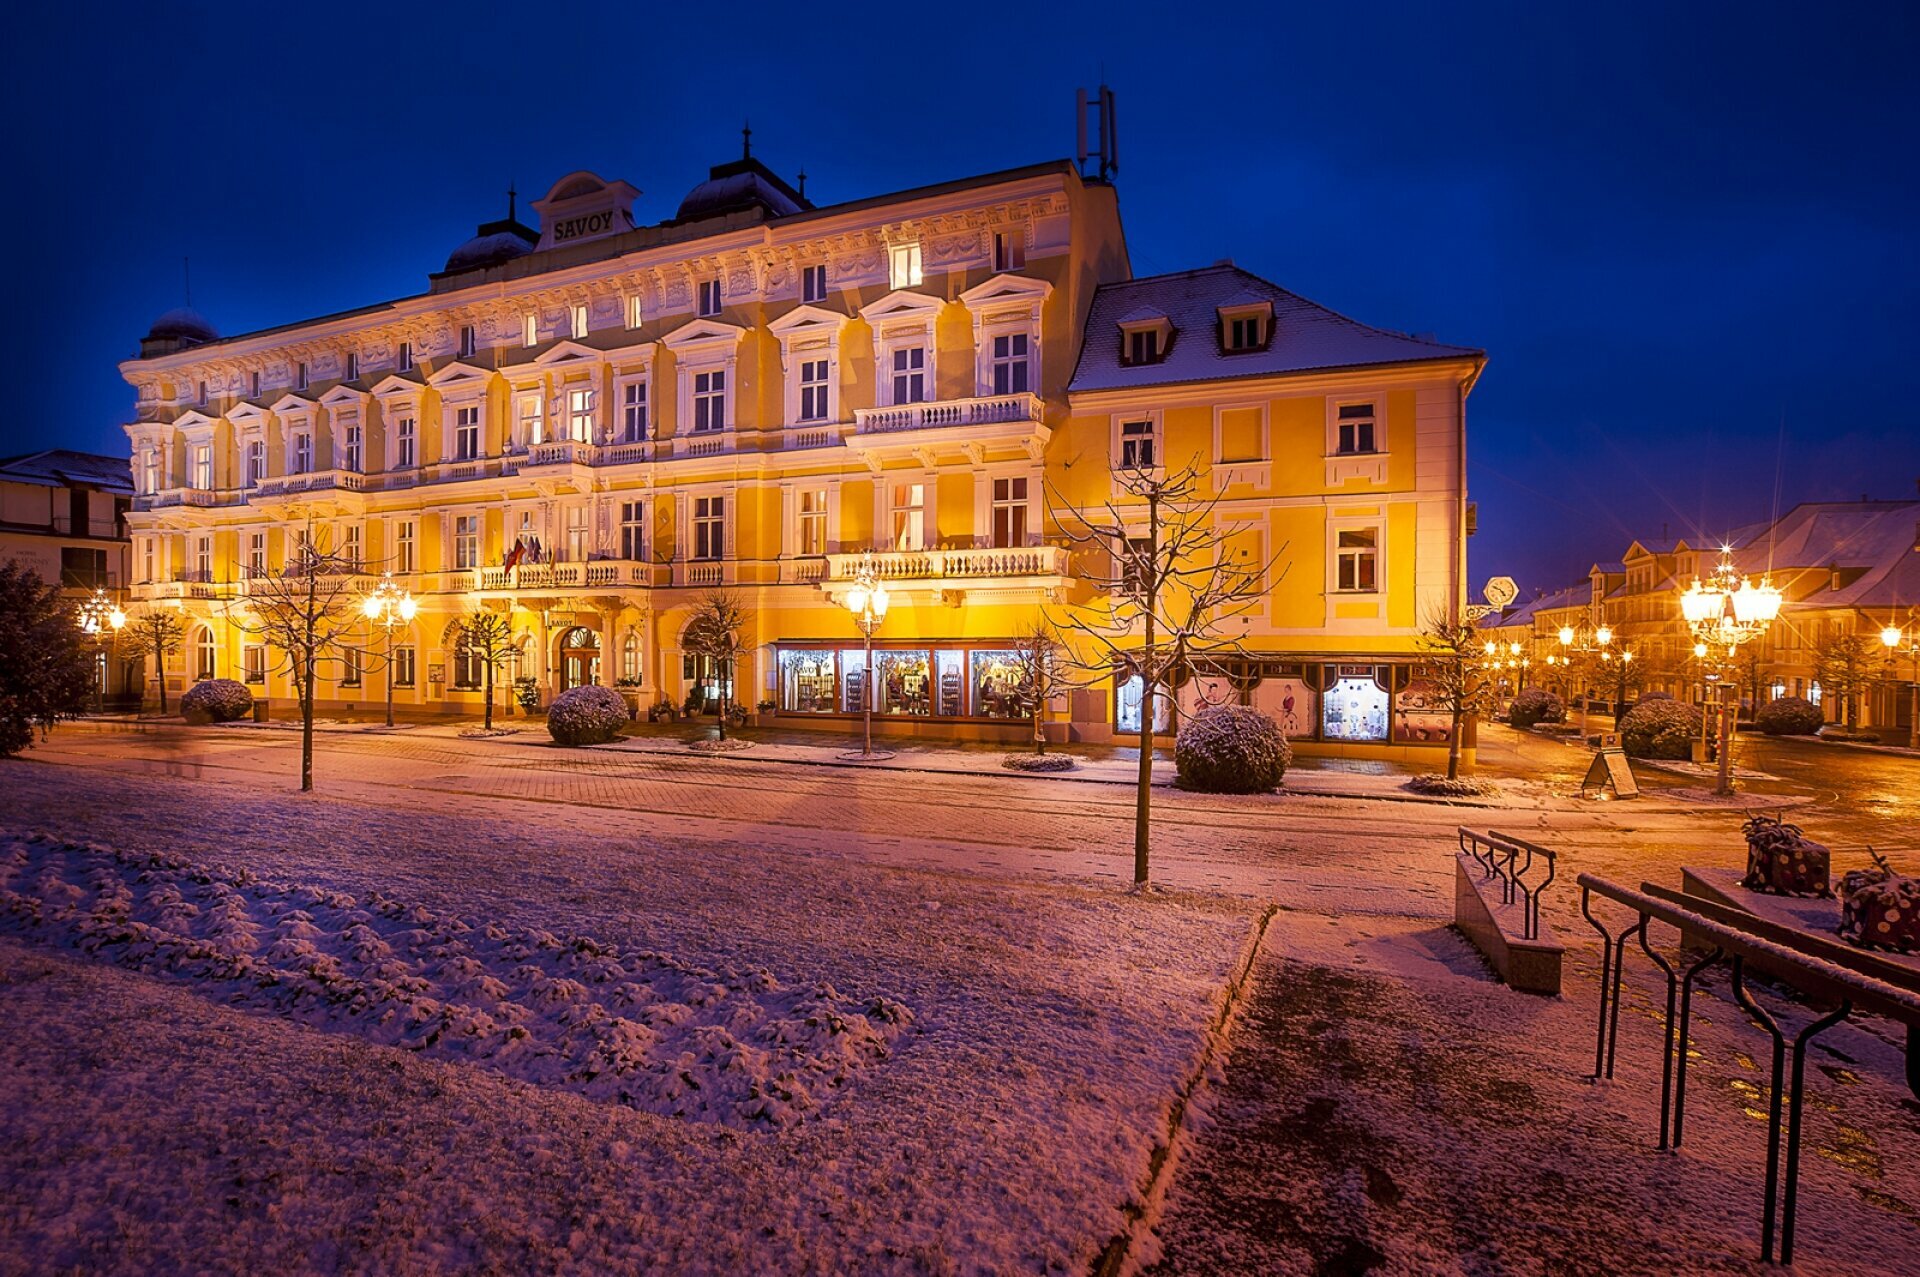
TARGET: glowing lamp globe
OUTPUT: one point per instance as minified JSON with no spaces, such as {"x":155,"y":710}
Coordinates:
{"x":879,"y":600}
{"x":1566,"y":635}
{"x":371,"y":606}
{"x":1603,"y":636}
{"x":407,"y":608}
{"x":1699,"y":603}
{"x":1891,"y":636}
{"x":857,"y":599}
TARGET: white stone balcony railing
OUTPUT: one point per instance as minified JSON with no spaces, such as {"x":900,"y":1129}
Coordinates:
{"x":472,"y":468}
{"x":167,"y":497}
{"x":705,"y":574}
{"x":707,"y":443}
{"x":558,"y":452}
{"x":938,"y":565}
{"x":534,"y":577}
{"x":312,"y":481}
{"x":813,"y":436}
{"x":989,"y":410}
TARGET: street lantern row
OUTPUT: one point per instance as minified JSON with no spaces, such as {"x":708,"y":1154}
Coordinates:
{"x":1724,"y":610}
{"x":101,"y":619}
{"x":867,"y":600}
{"x":1899,"y":642}
{"x":388,"y":605}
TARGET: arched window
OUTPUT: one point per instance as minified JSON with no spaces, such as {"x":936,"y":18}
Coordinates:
{"x":630,"y":657}
{"x":204,"y":653}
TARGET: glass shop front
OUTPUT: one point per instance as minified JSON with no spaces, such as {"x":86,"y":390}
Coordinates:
{"x":957,"y":681}
{"x":1352,"y":702}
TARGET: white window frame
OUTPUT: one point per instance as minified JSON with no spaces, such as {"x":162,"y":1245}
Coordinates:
{"x":1017,"y":504}
{"x":254,"y":465}
{"x":352,"y":447}
{"x":578,"y":321}
{"x":300,"y":375}
{"x":583,"y":412}
{"x":469,"y":423}
{"x":1003,"y":306}
{"x":406,"y":557}
{"x":352,"y":366}
{"x":905,"y":380}
{"x":814,"y":283}
{"x":403,"y":358}
{"x":406,"y":441}
{"x":814,"y":371}
{"x":530,"y":329}
{"x":633,"y":529}
{"x":1011,"y":367}
{"x":904,"y":266}
{"x":709,"y":401}
{"x":1121,"y":436}
{"x":1374,"y":421}
{"x":300,"y":452}
{"x":907,"y":519}
{"x":708,"y":301}
{"x":202,"y":467}
{"x":530,"y":415}
{"x":810,"y":520}
{"x":707,"y":527}
{"x":1336,"y":556}
{"x":256,"y":554}
{"x":636,"y":310}
{"x":469,"y":341}
{"x":466,"y":542}
{"x":1009,"y":249}
{"x":636,"y":411}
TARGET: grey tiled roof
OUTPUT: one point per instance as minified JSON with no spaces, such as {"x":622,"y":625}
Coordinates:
{"x":62,"y":466}
{"x":1306,"y":336}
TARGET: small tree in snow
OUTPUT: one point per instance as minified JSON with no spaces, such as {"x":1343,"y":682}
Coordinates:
{"x":1454,"y":650}
{"x":156,"y":631}
{"x":485,"y":637}
{"x":719,"y":631}
{"x":46,"y":669}
{"x":1167,"y":580}
{"x":1843,"y":666}
{"x":305,"y":614}
{"x":1040,"y":655}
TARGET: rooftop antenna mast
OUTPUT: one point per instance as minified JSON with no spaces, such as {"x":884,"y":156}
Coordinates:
{"x":1095,"y":113}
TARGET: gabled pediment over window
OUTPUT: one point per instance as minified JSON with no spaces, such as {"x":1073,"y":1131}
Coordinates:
{"x":702,"y":332}
{"x":194,"y":423}
{"x":394,"y":386}
{"x":246,"y":415}
{"x":459,"y":378}
{"x":567,"y":352}
{"x":1007,"y":290}
{"x":901,"y":304}
{"x":807,"y":320}
{"x":293,"y":405}
{"x":343,"y":397}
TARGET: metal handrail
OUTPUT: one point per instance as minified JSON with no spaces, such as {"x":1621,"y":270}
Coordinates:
{"x":1510,"y":860}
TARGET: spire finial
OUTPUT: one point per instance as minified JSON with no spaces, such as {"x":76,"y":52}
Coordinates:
{"x":802,"y":175}
{"x":746,"y":139}
{"x":512,"y":199}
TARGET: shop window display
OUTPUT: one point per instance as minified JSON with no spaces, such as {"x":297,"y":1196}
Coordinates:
{"x":1355,"y":708}
{"x":905,"y":682}
{"x":999,"y":683}
{"x":1127,"y":713}
{"x":1418,"y":715}
{"x":950,"y":683}
{"x":1289,"y":702}
{"x":807,"y":682}
{"x":853,"y":680}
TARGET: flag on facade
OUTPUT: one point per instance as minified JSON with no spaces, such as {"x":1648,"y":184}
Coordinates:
{"x":514,"y":555}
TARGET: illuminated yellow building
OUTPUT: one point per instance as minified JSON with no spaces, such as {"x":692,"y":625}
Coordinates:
{"x":589,"y":424}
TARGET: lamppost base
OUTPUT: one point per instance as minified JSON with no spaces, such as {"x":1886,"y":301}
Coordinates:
{"x":866,"y":756}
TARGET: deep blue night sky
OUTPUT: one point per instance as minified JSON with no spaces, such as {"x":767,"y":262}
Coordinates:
{"x":1681,"y":236}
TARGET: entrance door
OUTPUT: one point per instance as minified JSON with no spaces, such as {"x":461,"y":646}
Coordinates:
{"x":579,"y":658}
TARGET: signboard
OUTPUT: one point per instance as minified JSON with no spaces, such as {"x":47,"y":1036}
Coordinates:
{"x":1610,"y":771}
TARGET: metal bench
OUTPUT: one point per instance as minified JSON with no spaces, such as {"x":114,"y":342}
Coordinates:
{"x":1827,"y":972}
{"x":1496,"y":877}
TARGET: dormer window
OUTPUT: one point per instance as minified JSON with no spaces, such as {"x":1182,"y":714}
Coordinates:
{"x":1245,"y":328}
{"x":1145,"y":339}
{"x":468,"y":341}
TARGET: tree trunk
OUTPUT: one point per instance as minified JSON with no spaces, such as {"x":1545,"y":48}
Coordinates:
{"x":724,"y":686}
{"x":488,"y":714}
{"x":160,"y":679}
{"x":306,"y":727}
{"x":1453,"y":745}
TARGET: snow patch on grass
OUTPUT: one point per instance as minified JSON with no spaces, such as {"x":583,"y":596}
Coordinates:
{"x":641,"y":1029}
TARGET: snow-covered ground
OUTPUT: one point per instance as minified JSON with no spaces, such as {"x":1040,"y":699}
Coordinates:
{"x":170,"y":1105}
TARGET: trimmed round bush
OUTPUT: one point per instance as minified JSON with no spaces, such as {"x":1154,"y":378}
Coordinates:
{"x":1038,"y":762}
{"x":1535,"y":705}
{"x":1659,"y":728}
{"x":589,"y":715}
{"x":216,"y":700}
{"x":1790,"y":716}
{"x":1434,"y":785}
{"x":1230,"y":749}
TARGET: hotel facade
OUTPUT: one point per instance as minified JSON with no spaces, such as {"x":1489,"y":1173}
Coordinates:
{"x":588,"y":425}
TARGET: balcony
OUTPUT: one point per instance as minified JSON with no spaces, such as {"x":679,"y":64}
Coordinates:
{"x":311,"y":481}
{"x":537,"y":578}
{"x":950,"y":429}
{"x":990,"y":411}
{"x":569,"y":452}
{"x":170,"y":497}
{"x":954,"y":565}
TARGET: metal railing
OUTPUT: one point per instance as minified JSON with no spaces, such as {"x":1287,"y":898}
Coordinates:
{"x":938,"y":414}
{"x":1824,"y":970}
{"x":1511,"y":861}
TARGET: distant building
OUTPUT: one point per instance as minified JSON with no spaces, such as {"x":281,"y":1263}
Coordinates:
{"x":1845,"y":567}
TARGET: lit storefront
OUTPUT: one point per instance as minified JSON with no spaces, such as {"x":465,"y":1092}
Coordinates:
{"x":1336,"y":703}
{"x":910,"y":681}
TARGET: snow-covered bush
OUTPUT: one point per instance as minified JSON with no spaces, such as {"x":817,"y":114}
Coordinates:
{"x":1789,"y":716}
{"x":1659,"y":728}
{"x":1230,"y":749}
{"x":588,"y":715}
{"x":1435,"y":785}
{"x":1535,"y":705}
{"x":1038,"y":762}
{"x":216,"y":700}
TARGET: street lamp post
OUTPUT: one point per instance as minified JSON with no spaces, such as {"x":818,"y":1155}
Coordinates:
{"x":389,"y":605}
{"x":867,"y":600}
{"x":1586,"y":642}
{"x":1896,"y":640}
{"x":101,"y":618}
{"x":1726,"y":610}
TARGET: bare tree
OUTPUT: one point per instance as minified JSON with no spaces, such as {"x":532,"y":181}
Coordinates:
{"x":1843,"y":666}
{"x":305,"y":614}
{"x":1454,"y":649}
{"x":487,"y":637}
{"x":1040,"y":657}
{"x":719,"y":632}
{"x":156,"y":631}
{"x":1171,"y":583}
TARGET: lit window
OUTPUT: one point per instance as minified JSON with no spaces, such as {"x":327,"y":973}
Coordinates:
{"x":203,"y":466}
{"x":1009,"y":513}
{"x":813,"y":283}
{"x":630,"y":657}
{"x":203,"y":558}
{"x":633,"y":530}
{"x":1356,"y":424}
{"x":579,"y":322}
{"x":910,"y":374}
{"x":1009,"y":250}
{"x":813,"y":389}
{"x":1010,"y":363}
{"x":302,"y":454}
{"x":150,"y":482}
{"x":403,"y":441}
{"x":909,"y":516}
{"x":903,"y":262}
{"x":466,"y":541}
{"x":405,"y":358}
{"x":710,"y":400}
{"x":300,"y":376}
{"x":403,"y":667}
{"x":403,"y":554}
{"x":636,"y":311}
{"x":350,"y":454}
{"x":813,"y":521}
{"x":709,"y":299}
{"x":256,"y":462}
{"x":1137,"y":445}
{"x":256,"y":554}
{"x":533,"y":418}
{"x":466,"y":432}
{"x":469,"y":341}
{"x":633,"y":411}
{"x":578,"y":538}
{"x":709,"y":527}
{"x":1357,"y":560}
{"x":529,"y":329}
{"x":204,"y":653}
{"x":580,"y":416}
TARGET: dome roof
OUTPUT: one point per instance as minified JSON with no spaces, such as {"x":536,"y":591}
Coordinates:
{"x":182,"y":324}
{"x":495,"y":243}
{"x":736,"y":187}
